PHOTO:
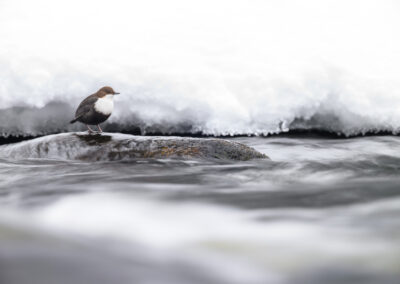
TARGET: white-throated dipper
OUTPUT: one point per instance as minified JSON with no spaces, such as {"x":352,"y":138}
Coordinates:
{"x":96,"y":108}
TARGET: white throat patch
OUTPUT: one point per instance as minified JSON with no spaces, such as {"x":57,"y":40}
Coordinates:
{"x":105,"y":105}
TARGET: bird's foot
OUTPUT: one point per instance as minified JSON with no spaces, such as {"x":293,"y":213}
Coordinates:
{"x":100,"y":130}
{"x":90,"y":131}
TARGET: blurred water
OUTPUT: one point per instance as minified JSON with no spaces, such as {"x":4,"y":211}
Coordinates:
{"x":321,"y":211}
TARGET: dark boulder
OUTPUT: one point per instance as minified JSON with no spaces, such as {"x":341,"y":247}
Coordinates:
{"x":115,"y":146}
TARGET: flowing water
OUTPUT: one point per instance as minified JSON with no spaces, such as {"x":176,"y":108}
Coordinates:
{"x":320,"y":211}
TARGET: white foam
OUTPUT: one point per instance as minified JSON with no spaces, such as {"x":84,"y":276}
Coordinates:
{"x":219,"y":67}
{"x":227,"y":232}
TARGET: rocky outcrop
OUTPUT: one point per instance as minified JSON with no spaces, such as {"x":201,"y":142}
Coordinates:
{"x":112,"y":147}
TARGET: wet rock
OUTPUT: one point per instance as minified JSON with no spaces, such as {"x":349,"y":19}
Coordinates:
{"x":115,"y":146}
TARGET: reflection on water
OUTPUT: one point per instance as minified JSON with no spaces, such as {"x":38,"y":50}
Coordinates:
{"x":321,"y":211}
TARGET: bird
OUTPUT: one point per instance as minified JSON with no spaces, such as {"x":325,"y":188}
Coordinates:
{"x":96,"y":108}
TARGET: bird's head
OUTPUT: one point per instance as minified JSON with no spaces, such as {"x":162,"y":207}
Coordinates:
{"x":106,"y":91}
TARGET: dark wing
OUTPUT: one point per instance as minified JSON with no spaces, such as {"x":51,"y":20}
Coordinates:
{"x":85,"y":106}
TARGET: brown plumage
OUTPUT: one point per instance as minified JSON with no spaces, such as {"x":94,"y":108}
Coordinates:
{"x":96,"y":108}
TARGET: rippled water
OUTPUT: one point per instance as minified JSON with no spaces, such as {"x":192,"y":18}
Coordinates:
{"x":320,"y":211}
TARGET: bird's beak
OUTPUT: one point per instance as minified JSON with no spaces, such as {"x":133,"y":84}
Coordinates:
{"x":116,"y":93}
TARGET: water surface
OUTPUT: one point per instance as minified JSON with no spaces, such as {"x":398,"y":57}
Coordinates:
{"x":320,"y":211}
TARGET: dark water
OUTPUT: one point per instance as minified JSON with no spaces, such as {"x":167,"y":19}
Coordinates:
{"x":320,"y":211}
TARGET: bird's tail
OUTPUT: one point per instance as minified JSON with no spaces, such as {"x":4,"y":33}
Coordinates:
{"x":76,"y":119}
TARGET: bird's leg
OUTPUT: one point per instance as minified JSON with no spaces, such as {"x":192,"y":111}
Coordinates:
{"x":89,"y":129}
{"x":98,"y":126}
